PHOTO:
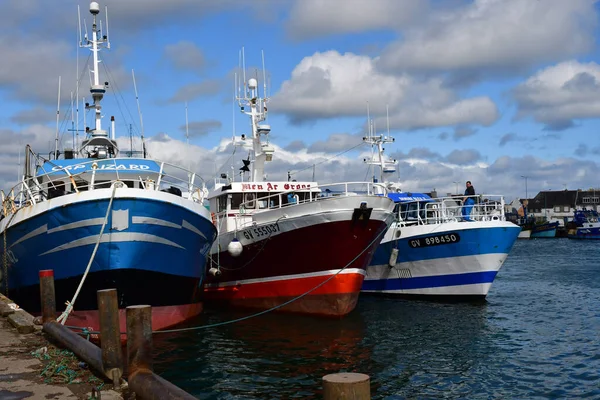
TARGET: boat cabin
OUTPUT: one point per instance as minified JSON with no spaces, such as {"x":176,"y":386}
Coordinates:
{"x":410,"y":206}
{"x":243,"y":199}
{"x":59,"y":177}
{"x":248,"y":197}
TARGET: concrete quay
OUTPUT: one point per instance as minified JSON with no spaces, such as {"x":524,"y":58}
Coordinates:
{"x":33,"y":368}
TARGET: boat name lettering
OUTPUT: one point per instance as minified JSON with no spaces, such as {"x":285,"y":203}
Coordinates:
{"x":436,"y":240}
{"x":260,"y":231}
{"x":108,"y":167}
{"x":268,"y":186}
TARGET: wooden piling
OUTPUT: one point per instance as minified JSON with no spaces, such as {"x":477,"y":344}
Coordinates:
{"x":47,"y":295}
{"x":142,"y":381}
{"x":346,"y":386}
{"x":139,"y":338}
{"x":110,"y":335}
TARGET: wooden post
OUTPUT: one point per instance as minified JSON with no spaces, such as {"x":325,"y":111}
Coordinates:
{"x":47,"y":295}
{"x":110,"y":335}
{"x":346,"y":386}
{"x":139,"y":338}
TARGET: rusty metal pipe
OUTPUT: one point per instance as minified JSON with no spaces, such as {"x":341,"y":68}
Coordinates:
{"x":110,"y":335}
{"x":148,"y":386}
{"x":83,"y":349}
{"x":47,"y":295}
{"x":139,"y":338}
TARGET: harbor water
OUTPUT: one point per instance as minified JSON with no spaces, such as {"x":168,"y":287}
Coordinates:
{"x":536,"y":336}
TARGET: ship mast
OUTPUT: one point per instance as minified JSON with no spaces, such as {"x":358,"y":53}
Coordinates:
{"x":387,"y":166}
{"x":98,"y":144}
{"x":250,"y":97}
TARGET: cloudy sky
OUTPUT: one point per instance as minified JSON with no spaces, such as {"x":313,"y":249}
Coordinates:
{"x":484,"y":90}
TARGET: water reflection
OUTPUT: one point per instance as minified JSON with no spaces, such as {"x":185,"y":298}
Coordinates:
{"x":424,"y":348}
{"x":537,"y":336}
{"x":271,"y":356}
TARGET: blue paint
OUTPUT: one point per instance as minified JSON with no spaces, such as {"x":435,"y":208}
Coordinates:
{"x":55,"y":168}
{"x":188,"y":261}
{"x":406,"y":197}
{"x":470,"y":278}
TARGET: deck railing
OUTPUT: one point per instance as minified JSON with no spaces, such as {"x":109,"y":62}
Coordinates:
{"x":450,"y":209}
{"x":169,"y":178}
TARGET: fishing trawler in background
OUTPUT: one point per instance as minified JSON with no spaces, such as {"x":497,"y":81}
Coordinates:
{"x":101,"y":221}
{"x":293,"y":246}
{"x":429,"y":252}
{"x":532,"y":227}
{"x":585,"y":225}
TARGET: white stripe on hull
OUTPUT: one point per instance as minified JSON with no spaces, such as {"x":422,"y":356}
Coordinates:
{"x":114,"y":237}
{"x":288,"y":277}
{"x":440,"y":266}
{"x":477,"y":289}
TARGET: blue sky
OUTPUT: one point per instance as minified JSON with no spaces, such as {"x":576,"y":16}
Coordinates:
{"x":485,"y":90}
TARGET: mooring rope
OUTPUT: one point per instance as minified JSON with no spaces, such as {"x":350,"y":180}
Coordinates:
{"x":87,"y":332}
{"x":63,"y":317}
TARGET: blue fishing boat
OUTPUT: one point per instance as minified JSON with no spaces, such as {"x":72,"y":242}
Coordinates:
{"x":544,"y":230}
{"x":104,"y":221}
{"x":431,"y":251}
{"x":586,"y":225}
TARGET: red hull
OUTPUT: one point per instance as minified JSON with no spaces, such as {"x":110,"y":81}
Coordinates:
{"x":276,"y":270}
{"x":162,"y":317}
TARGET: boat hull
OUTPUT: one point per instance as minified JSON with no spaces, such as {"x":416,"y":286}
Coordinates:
{"x":310,"y":264}
{"x":524,"y":234}
{"x":544,"y":231}
{"x":582,"y":233}
{"x":153,"y":251}
{"x":454,"y":260}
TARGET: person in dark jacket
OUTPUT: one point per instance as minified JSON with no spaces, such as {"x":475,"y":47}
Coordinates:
{"x":468,"y":202}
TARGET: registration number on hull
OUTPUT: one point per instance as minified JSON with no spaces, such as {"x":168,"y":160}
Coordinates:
{"x":261,"y":231}
{"x":434,"y":240}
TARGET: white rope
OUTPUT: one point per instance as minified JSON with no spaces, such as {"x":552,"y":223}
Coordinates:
{"x":63,"y":317}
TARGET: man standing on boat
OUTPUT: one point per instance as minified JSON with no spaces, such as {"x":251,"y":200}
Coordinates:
{"x":468,"y":202}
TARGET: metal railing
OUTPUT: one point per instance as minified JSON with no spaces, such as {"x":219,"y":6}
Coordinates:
{"x":60,"y":181}
{"x":452,"y":209}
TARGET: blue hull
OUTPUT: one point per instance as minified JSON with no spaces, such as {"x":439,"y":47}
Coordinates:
{"x":149,"y":237}
{"x":550,"y":233}
{"x":586,"y":234}
{"x":444,"y":269}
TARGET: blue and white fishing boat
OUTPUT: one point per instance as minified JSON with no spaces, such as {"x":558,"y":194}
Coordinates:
{"x":587,"y":225}
{"x":103,"y":221}
{"x":429,"y":252}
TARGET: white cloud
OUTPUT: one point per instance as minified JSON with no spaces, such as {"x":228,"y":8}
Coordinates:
{"x":560,"y":94}
{"x":313,"y":18}
{"x":330,"y":84}
{"x":495,"y":34}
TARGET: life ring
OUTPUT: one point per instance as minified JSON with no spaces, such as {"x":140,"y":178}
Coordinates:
{"x":214,"y":218}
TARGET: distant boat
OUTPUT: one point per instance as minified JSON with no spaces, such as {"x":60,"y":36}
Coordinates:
{"x":544,"y":230}
{"x":101,"y":221}
{"x":531,"y":229}
{"x":290,"y":246}
{"x":429,"y":252}
{"x":585,"y":225}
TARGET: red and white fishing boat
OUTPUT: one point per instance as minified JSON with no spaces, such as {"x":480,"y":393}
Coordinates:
{"x":294,"y":246}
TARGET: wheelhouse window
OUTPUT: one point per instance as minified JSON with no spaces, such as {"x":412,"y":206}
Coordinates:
{"x":222,"y":203}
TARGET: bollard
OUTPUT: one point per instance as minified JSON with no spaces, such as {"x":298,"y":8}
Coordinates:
{"x":139,"y":338}
{"x":47,"y":295}
{"x":346,"y":386}
{"x":110,"y":335}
